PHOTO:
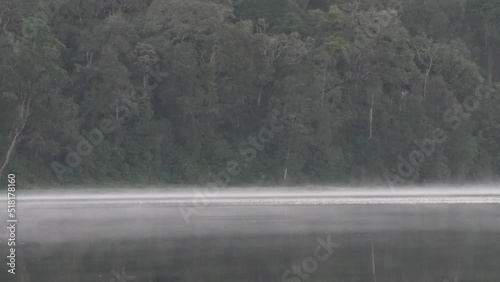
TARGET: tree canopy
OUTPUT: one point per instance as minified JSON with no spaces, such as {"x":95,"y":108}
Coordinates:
{"x":176,"y":91}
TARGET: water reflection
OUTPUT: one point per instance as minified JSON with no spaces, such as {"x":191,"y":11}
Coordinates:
{"x":401,"y":256}
{"x":152,"y":243}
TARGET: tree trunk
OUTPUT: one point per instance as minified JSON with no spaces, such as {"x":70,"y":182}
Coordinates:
{"x":490,"y":63}
{"x":25,"y":108}
{"x":371,"y":115}
{"x":285,"y":175}
{"x":324,"y":84}
{"x":401,"y":102}
{"x":427,"y":76}
{"x":259,"y":97}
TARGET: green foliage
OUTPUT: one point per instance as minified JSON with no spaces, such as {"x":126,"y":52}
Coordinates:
{"x":186,"y":84}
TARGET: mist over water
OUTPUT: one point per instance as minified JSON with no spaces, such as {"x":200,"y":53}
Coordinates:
{"x":258,"y":233}
{"x":189,"y":192}
{"x":60,"y":215}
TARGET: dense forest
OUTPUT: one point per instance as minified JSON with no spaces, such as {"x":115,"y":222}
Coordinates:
{"x":267,"y":92}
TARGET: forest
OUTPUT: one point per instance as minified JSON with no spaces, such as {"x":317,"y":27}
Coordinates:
{"x":249,"y":92}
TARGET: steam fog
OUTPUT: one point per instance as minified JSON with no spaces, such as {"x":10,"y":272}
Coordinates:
{"x":236,"y":235}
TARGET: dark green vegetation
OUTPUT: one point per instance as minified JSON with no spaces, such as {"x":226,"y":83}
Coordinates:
{"x":176,"y":87}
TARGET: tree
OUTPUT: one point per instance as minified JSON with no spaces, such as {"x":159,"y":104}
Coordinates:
{"x":34,"y":71}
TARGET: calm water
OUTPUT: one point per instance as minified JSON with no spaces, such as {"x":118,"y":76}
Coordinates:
{"x":388,"y":236}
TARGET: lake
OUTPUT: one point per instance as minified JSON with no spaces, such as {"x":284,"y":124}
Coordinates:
{"x":341,"y":235}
